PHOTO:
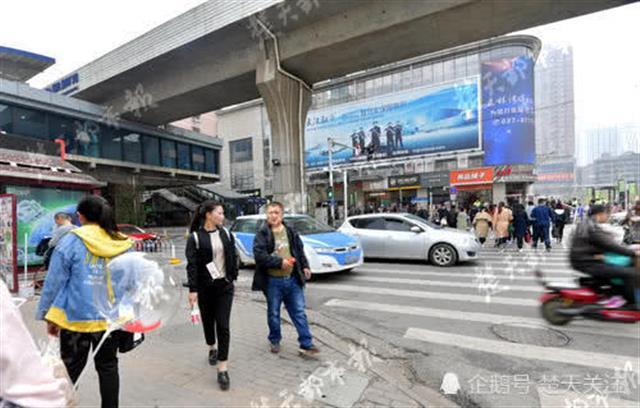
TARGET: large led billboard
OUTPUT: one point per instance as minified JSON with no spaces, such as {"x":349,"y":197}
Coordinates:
{"x":420,"y":121}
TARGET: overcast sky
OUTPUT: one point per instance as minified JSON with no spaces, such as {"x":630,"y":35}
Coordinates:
{"x":74,"y":32}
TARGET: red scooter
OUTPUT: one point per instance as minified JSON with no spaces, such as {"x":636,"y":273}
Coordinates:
{"x":562,"y":303}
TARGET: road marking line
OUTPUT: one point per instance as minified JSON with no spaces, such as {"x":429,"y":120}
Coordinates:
{"x":525,"y":351}
{"x":473,"y":317}
{"x":428,"y":295}
{"x":517,"y":275}
{"x":424,"y":282}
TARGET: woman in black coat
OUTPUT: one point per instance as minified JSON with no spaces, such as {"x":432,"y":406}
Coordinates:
{"x":211,"y":269}
{"x":521,"y":224}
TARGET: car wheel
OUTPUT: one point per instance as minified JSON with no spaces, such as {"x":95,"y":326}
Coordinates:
{"x":443,"y":255}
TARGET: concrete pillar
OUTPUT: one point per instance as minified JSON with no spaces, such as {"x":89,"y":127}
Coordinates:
{"x":287,"y":102}
{"x":499,"y":192}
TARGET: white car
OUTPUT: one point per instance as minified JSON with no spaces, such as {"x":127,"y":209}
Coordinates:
{"x":406,"y":236}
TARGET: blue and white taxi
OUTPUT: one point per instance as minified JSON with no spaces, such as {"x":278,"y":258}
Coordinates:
{"x":326,"y":249}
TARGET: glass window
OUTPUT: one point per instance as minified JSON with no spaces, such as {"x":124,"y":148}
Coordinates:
{"x":168,"y":153}
{"x":197,"y":158}
{"x":449,"y":70}
{"x":6,"y":121}
{"x":111,"y":144}
{"x":394,"y":224}
{"x":132,"y":145}
{"x":28,"y":122}
{"x":63,"y":128}
{"x":307,"y":225}
{"x":438,"y":75}
{"x":211,"y":161}
{"x":241,"y":150}
{"x":151,"y":150}
{"x":248,"y":226}
{"x":473,"y":67}
{"x":461,"y":67}
{"x":376,"y":223}
{"x":417,"y":76}
{"x":427,"y":74}
{"x":387,"y":84}
{"x":184,"y":156}
{"x":86,"y":138}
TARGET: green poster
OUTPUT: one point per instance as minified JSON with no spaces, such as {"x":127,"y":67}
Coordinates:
{"x":36,"y":208}
{"x":633,"y":191}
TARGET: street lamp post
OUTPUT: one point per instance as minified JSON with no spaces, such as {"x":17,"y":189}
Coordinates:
{"x":332,"y":143}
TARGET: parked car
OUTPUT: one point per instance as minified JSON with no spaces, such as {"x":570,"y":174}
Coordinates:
{"x":326,"y":249}
{"x":136,"y":233}
{"x":406,"y":236}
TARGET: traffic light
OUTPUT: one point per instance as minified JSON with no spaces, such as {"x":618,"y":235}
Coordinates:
{"x":330,"y":193}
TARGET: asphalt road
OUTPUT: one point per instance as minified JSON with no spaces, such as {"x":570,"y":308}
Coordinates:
{"x":477,"y":326}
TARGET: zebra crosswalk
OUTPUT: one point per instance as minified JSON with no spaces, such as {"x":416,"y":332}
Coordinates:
{"x":456,"y":306}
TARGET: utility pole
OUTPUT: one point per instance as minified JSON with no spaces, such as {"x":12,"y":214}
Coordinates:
{"x":332,"y":143}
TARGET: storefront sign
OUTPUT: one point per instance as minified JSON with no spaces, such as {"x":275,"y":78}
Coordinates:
{"x":404,"y":181}
{"x":435,"y":179}
{"x":482,"y":175}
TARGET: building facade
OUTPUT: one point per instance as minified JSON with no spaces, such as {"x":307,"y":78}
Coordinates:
{"x":127,"y":156}
{"x":446,"y":89}
{"x":555,"y":108}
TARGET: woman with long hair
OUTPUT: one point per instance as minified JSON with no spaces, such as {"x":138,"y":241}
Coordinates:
{"x":501,"y":219}
{"x":77,"y":273}
{"x":211,"y":269}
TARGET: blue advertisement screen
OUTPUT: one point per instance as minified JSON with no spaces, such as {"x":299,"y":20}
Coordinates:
{"x":416,"y":122}
{"x":508,"y":116}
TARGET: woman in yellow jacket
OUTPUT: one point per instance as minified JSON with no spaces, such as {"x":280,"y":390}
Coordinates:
{"x":501,"y":220}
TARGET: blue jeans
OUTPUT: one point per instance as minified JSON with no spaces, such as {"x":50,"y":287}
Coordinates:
{"x":289,"y":291}
{"x":541,"y":232}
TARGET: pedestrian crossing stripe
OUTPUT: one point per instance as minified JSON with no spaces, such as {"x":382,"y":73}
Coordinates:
{"x":519,"y":272}
{"x":429,"y":295}
{"x":593,"y":328}
{"x":524,"y":351}
{"x":425,"y":282}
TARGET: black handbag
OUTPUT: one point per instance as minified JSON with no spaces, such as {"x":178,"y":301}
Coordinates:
{"x":127,"y":341}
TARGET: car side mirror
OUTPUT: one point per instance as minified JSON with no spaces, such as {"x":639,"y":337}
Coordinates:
{"x":416,"y":229}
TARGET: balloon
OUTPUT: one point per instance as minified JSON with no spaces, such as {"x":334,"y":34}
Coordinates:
{"x":135,"y":294}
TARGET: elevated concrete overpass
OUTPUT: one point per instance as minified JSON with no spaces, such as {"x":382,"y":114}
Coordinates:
{"x":222,"y":53}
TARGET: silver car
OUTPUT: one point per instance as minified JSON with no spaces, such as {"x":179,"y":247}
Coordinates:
{"x":406,"y":236}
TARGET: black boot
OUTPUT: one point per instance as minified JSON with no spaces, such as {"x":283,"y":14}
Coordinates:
{"x":213,"y":357}
{"x":223,"y":380}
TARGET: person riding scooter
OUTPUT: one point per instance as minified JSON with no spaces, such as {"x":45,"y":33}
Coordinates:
{"x":589,"y":246}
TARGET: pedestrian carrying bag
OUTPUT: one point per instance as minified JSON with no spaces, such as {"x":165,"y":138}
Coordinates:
{"x":127,"y":341}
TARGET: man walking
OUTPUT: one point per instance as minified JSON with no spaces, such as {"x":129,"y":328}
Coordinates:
{"x":375,"y":137}
{"x":398,"y":134}
{"x":281,"y":272}
{"x":542,"y":217}
{"x":390,"y":132}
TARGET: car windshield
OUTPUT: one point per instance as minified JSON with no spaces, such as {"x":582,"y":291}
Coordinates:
{"x":307,"y":225}
{"x":421,"y":220}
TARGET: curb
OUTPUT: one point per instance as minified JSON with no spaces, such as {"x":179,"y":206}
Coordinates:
{"x":389,"y":371}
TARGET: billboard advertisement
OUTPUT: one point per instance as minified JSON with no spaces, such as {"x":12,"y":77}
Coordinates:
{"x":36,"y":207}
{"x":562,"y":172}
{"x":508,"y":116}
{"x":420,"y":121}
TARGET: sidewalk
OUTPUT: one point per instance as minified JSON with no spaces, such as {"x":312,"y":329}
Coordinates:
{"x":170,"y":368}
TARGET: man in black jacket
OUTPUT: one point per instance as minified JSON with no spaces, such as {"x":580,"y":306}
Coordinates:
{"x":281,"y":272}
{"x":589,"y":245}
